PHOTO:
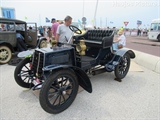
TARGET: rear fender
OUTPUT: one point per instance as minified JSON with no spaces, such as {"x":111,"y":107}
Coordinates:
{"x":121,"y":53}
{"x":83,"y":79}
{"x":118,"y":55}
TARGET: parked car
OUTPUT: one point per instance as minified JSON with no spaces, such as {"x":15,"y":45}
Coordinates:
{"x":8,"y":41}
{"x":60,"y":70}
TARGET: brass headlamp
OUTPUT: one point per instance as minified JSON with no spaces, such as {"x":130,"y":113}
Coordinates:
{"x":81,"y":47}
{"x":53,"y":42}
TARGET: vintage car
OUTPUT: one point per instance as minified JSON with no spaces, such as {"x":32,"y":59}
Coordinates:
{"x":58,"y":71}
{"x":8,"y":41}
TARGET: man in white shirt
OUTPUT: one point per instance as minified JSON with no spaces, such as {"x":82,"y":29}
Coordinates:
{"x":64,"y":34}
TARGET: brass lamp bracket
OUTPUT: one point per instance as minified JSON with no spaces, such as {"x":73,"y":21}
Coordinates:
{"x":81,"y":47}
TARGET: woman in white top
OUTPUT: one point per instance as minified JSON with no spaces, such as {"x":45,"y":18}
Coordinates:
{"x":120,"y":42}
{"x":121,"y":39}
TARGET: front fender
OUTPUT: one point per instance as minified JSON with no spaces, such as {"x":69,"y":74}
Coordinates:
{"x":39,"y":40}
{"x":83,"y":79}
{"x":7,"y":44}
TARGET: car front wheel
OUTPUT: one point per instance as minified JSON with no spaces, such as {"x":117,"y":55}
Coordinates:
{"x":5,"y":54}
{"x":58,"y":91}
{"x":23,"y":74}
{"x":43,"y":44}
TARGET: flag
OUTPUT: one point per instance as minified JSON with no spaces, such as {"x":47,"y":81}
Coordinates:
{"x":25,"y":18}
{"x":47,"y":20}
{"x":79,"y":21}
{"x":92,"y":21}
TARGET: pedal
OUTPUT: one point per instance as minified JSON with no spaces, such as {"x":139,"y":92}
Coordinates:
{"x":37,"y":84}
{"x":115,"y":63}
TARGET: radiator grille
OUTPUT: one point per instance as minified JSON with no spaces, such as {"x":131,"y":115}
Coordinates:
{"x":38,"y":62}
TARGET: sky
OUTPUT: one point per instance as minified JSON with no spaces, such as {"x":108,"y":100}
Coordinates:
{"x":112,"y":13}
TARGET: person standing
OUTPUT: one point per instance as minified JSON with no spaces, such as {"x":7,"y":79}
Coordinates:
{"x":64,"y":34}
{"x":140,"y":32}
{"x":54,"y":26}
{"x":44,"y":31}
{"x":41,"y":30}
{"x":130,"y":32}
{"x":49,"y":32}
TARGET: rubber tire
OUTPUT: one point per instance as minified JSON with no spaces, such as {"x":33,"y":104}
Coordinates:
{"x":43,"y":98}
{"x":42,"y":43}
{"x":18,"y":69}
{"x":119,"y":76}
{"x":159,"y":38}
{"x":9,"y":54}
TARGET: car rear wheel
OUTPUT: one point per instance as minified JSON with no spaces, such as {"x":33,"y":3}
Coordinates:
{"x":122,"y":68}
{"x":5,"y":54}
{"x":23,"y":74}
{"x":159,"y":38}
{"x":43,"y":44}
{"x":58,"y":91}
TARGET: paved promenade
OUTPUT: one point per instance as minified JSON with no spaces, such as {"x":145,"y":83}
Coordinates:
{"x":137,"y":97}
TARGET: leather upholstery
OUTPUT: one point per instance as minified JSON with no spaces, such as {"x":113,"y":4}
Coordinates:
{"x":97,"y":38}
{"x":98,"y":34}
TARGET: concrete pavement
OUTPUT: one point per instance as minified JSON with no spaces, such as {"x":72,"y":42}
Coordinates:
{"x":137,"y":97}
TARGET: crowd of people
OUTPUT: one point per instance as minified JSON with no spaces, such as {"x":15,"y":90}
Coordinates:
{"x":59,"y":30}
{"x":61,"y":33}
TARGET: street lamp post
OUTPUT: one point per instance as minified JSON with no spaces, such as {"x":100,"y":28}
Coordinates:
{"x":0,"y":3}
{"x":95,"y":13}
{"x":106,"y":22}
{"x":83,"y":9}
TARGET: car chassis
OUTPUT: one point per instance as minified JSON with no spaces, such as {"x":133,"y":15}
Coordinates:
{"x":60,"y":70}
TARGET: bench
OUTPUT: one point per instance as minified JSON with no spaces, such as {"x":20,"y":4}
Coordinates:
{"x":97,"y":38}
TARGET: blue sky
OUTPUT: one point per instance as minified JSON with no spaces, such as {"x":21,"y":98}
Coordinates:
{"x":110,"y":13}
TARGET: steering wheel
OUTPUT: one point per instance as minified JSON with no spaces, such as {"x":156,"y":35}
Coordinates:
{"x":75,"y":29}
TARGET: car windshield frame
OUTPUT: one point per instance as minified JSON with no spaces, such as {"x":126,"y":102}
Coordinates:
{"x":78,"y":25}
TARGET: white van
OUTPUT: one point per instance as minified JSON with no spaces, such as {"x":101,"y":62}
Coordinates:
{"x":154,"y":33}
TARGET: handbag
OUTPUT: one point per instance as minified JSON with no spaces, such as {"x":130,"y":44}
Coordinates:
{"x":120,"y":46}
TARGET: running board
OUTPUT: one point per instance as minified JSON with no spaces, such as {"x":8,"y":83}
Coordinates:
{"x":98,"y":71}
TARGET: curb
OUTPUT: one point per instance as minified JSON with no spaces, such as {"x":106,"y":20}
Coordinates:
{"x":146,"y":60}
